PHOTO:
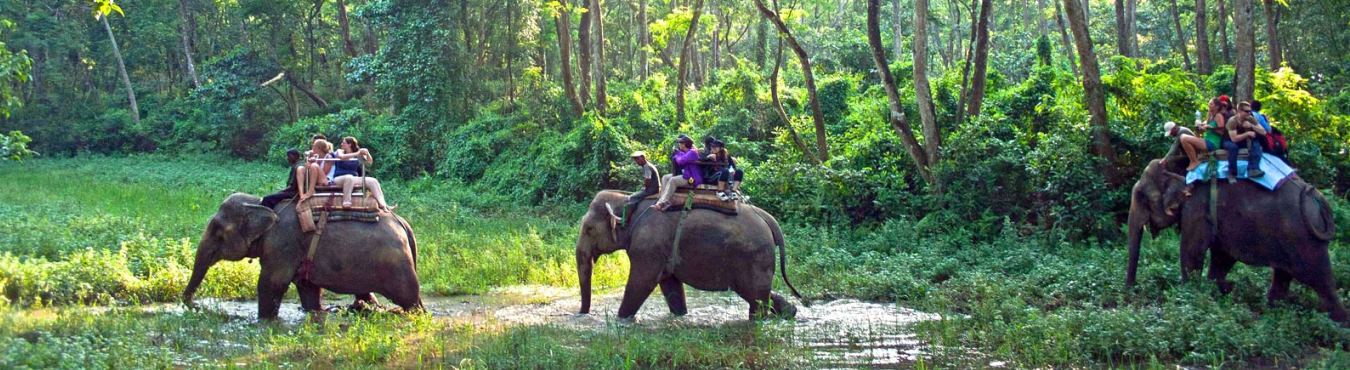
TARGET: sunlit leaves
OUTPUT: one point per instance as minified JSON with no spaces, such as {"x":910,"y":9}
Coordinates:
{"x":103,"y":8}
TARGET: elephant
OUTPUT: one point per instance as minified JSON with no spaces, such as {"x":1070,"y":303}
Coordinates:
{"x":1287,"y":229}
{"x":717,"y":252}
{"x":357,"y":258}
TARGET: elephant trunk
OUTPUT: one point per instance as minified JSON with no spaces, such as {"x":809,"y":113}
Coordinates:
{"x":1136,"y":223}
{"x":584,"y":264}
{"x":203,"y":262}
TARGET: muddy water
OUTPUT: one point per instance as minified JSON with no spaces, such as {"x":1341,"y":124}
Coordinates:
{"x":838,"y":334}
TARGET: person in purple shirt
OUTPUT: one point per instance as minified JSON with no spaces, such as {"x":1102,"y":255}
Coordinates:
{"x":690,"y":175}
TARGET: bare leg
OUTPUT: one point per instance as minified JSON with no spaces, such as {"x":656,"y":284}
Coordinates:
{"x":373,"y":186}
{"x":348,"y":182}
{"x":1191,"y":145}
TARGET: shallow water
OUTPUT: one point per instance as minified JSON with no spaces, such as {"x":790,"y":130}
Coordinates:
{"x":840,"y":334}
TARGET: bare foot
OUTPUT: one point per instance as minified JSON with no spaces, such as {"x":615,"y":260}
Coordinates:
{"x":1192,"y":166}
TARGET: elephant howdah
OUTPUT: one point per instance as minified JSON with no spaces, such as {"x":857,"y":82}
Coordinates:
{"x":717,"y":252}
{"x":358,"y":258}
{"x":1287,"y":229}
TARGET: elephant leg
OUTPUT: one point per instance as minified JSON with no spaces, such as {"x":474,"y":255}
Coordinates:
{"x":404,"y":293}
{"x":364,"y":302}
{"x":756,"y":297}
{"x":269,"y":297}
{"x":640,"y":285}
{"x":1220,"y":263}
{"x":310,"y":296}
{"x":1192,"y":255}
{"x":1279,"y":286}
{"x":673,"y":289}
{"x":1317,"y":275}
{"x":782,"y":307}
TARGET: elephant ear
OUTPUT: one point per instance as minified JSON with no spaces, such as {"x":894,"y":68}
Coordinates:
{"x":257,"y":220}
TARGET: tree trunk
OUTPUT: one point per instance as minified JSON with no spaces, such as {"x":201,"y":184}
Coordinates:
{"x":923,"y":94}
{"x":596,"y":17}
{"x":1244,"y":77}
{"x":897,"y":118}
{"x":1131,"y":15}
{"x":1042,"y":28}
{"x":1202,"y":39}
{"x":510,"y":55}
{"x":1092,"y":82}
{"x":1123,"y":35}
{"x":565,"y":58}
{"x":981,"y":58}
{"x":372,"y":43}
{"x":1272,"y":11}
{"x":897,"y":39}
{"x":1181,"y":34}
{"x":644,"y":39}
{"x":186,"y":32}
{"x":584,"y":61}
{"x":778,"y":106}
{"x":347,"y":44}
{"x":1223,"y":31}
{"x":685,"y":54}
{"x":1064,"y":39}
{"x":122,"y":69}
{"x":822,"y":147}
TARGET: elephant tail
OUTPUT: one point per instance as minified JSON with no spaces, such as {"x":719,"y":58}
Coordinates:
{"x":1317,"y":214}
{"x":779,"y":241}
{"x":412,"y":239}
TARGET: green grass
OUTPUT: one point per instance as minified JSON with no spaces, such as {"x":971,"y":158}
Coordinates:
{"x":78,"y":235}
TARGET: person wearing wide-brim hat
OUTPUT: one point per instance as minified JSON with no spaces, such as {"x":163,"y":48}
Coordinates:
{"x":651,"y":185}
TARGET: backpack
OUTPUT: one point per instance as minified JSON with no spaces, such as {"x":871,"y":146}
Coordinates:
{"x":1275,"y":143}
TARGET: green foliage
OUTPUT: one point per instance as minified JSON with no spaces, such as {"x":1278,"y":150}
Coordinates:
{"x":14,"y":69}
{"x":14,"y":147}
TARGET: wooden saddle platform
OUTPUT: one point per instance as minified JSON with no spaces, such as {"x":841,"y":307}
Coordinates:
{"x":705,"y":197}
{"x":329,"y":204}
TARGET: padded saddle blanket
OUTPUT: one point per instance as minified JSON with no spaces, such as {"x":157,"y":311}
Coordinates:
{"x":703,"y":199}
{"x":363,"y":209}
{"x":1276,"y":170}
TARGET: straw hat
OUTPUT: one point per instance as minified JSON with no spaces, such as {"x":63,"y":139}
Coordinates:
{"x":638,"y":154}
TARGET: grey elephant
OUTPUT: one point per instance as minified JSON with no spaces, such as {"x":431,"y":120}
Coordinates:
{"x":1287,"y":229}
{"x":717,"y":252}
{"x":357,"y":258}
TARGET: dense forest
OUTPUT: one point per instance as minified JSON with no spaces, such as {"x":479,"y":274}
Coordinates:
{"x":952,"y":122}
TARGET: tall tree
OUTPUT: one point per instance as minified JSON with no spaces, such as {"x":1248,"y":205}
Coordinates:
{"x":898,"y":34}
{"x":1244,"y":67}
{"x":1126,"y":42}
{"x":1222,"y":16}
{"x":685,"y":55}
{"x":981,"y":58}
{"x":1064,"y":38}
{"x":562,"y":19}
{"x":345,"y":28}
{"x":122,"y":68}
{"x":644,"y":38}
{"x":1276,"y":50}
{"x":595,"y":15}
{"x":1202,"y":39}
{"x":584,"y":53}
{"x":185,"y":30}
{"x":896,"y":115}
{"x":923,"y":95}
{"x":822,"y":147}
{"x":1092,"y":81}
{"x":1180,"y":39}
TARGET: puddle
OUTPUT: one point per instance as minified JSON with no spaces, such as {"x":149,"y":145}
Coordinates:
{"x":839,"y":334}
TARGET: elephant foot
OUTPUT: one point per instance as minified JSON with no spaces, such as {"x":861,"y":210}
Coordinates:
{"x":1225,"y":286}
{"x":782,"y":308}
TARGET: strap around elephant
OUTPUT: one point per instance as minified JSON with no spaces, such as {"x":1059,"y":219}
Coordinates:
{"x":679,"y":231}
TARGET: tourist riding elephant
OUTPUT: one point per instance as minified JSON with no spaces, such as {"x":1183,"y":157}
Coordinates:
{"x":352,"y":257}
{"x":717,"y":252}
{"x":1287,"y":229}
